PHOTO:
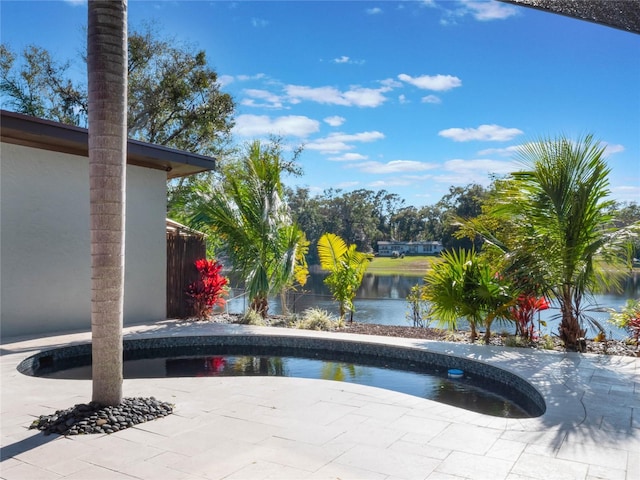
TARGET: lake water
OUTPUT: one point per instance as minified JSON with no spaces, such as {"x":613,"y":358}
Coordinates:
{"x":382,"y":300}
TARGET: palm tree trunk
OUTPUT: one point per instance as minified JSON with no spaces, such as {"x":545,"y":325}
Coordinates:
{"x":570,"y":331}
{"x":473,"y":332}
{"x":107,"y":79}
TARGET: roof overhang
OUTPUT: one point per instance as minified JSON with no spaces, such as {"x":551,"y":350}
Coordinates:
{"x":28,"y":131}
{"x":621,"y":14}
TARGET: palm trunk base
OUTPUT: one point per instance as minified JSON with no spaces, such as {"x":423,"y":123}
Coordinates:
{"x":260,"y":305}
{"x":573,"y":336}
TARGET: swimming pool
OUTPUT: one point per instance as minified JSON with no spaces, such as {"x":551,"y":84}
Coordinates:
{"x":483,"y":388}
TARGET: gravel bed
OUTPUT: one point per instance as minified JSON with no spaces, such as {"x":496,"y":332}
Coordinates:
{"x":608,"y":347}
{"x":85,"y":418}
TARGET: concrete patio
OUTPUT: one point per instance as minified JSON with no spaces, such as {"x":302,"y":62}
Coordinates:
{"x":279,"y":428}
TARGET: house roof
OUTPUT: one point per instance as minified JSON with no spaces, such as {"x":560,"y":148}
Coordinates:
{"x":622,"y":14}
{"x":35,"y":132}
{"x":180,"y":229}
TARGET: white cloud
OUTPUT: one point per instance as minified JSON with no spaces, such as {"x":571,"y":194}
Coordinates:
{"x":365,"y":97}
{"x":271,"y":100}
{"x":626,"y":193}
{"x":355,"y":96}
{"x":394,"y":166}
{"x":402,"y":99}
{"x":463,"y":172}
{"x":431,"y":99}
{"x":489,"y":166}
{"x":259,"y":125}
{"x":611,"y":149}
{"x":485,"y":133}
{"x":390,"y":83}
{"x":349,"y":60}
{"x":76,"y":3}
{"x":485,"y":11}
{"x":391,"y":182}
{"x":259,"y":22}
{"x":339,"y":142}
{"x":349,"y":157}
{"x":501,"y":152}
{"x":225,"y":80}
{"x":438,"y":83}
{"x":374,"y":11}
{"x":335,"y":121}
{"x":246,"y":78}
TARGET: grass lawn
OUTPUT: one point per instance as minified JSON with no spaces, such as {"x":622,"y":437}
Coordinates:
{"x":417,"y":265}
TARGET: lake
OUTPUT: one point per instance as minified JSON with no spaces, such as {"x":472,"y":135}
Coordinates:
{"x":381,"y":299}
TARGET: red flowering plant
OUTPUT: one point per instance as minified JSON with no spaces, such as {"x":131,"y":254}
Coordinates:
{"x":207,"y":292}
{"x":523,"y":313}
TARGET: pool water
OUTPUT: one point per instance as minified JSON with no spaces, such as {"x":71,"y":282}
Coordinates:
{"x":468,"y":392}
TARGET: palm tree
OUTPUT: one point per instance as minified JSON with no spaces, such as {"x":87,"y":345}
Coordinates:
{"x":346,"y":268}
{"x":558,"y":208}
{"x":249,"y":214}
{"x":107,"y":77}
{"x":464,"y":285}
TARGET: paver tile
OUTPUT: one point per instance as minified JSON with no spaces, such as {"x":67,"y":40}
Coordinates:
{"x":465,"y":438}
{"x":469,"y":465}
{"x":545,"y":468}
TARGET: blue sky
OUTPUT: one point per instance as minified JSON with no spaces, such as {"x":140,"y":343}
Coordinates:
{"x":407,"y":96}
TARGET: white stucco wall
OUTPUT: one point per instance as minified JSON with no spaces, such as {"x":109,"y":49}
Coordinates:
{"x":45,"y":277}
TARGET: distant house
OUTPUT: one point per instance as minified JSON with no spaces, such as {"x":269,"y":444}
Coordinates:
{"x":45,"y":269}
{"x":389,"y":249}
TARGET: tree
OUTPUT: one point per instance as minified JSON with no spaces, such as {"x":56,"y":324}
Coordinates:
{"x":562,"y":226}
{"x":625,"y":215}
{"x":346,"y":267}
{"x":174,"y":97}
{"x":465,"y":286}
{"x":461,"y":203}
{"x":40,"y":88}
{"x":247,"y":211}
{"x":406,"y":225}
{"x":107,"y":75}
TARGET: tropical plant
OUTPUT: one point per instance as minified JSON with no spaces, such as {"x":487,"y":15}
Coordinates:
{"x":300,"y":272}
{"x":247,"y":211}
{"x":628,"y":318}
{"x":208,"y":291}
{"x":418,"y":307}
{"x":346,"y":267}
{"x":463,"y":286}
{"x":561,"y":226}
{"x":107,"y":74}
{"x":523,"y":313}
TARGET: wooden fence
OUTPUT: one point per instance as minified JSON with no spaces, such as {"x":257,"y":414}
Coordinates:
{"x":182,"y":252}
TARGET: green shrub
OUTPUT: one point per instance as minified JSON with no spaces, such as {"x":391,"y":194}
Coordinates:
{"x":317,"y":319}
{"x":546,"y":342}
{"x":251,"y":317}
{"x":515,"y":341}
